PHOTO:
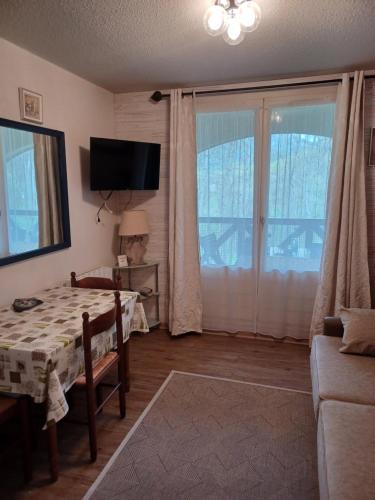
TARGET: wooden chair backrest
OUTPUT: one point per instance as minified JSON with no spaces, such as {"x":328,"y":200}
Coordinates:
{"x":99,"y":325}
{"x":95,"y":282}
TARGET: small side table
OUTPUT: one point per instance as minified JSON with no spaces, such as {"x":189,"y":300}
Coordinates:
{"x":152,"y":322}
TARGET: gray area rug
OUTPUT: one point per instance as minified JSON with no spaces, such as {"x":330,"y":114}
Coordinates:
{"x":210,"y":438}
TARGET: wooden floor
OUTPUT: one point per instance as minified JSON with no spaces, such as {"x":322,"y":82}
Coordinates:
{"x":153,"y":356}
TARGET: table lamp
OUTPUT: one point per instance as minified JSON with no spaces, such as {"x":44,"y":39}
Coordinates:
{"x":133,"y":227}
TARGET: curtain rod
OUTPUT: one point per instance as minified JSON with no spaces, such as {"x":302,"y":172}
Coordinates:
{"x":158,"y":96}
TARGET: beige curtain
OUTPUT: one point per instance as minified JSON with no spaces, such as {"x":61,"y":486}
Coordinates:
{"x":344,"y":271}
{"x":49,"y":206}
{"x":185,"y":298}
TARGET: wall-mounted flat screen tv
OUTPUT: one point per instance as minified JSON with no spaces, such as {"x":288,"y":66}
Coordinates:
{"x":118,"y":165}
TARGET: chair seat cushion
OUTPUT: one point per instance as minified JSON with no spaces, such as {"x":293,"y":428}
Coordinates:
{"x":339,"y":376}
{"x":346,"y":451}
{"x":101,"y":366}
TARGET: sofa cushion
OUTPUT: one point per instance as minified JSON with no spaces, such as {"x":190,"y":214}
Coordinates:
{"x":346,"y":451}
{"x":359,"y":331}
{"x":338,"y":376}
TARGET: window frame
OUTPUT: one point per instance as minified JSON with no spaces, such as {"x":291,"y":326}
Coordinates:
{"x":306,"y":97}
{"x":262,"y":102}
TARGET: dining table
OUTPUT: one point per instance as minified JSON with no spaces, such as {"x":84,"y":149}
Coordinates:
{"x":41,"y":349}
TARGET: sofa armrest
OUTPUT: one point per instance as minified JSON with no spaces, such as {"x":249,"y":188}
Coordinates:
{"x":333,"y":327}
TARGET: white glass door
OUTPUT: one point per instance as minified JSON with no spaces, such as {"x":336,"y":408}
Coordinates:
{"x":298,"y":147}
{"x":263,"y":170}
{"x":226,"y":162}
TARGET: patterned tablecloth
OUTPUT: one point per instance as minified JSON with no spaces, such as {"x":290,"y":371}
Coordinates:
{"x":41,"y":350}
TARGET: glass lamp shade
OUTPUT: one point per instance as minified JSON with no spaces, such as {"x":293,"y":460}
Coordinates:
{"x":215,"y":20}
{"x":224,"y":3}
{"x":233,"y":34}
{"x":134,"y":222}
{"x":249,"y":16}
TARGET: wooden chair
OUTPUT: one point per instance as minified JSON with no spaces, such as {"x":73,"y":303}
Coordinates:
{"x":91,"y":381}
{"x":95,"y":282}
{"x":105,"y":284}
{"x":19,"y":407}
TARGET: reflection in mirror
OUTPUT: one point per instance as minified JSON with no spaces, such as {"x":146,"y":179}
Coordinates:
{"x":32,"y":214}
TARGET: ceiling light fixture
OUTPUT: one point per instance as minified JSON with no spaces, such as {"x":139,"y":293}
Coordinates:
{"x":232,"y":19}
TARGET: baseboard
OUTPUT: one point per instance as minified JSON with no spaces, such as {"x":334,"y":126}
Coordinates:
{"x":247,"y":335}
{"x":257,"y":336}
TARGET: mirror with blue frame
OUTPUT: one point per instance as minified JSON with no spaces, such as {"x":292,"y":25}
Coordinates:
{"x":34,"y":210}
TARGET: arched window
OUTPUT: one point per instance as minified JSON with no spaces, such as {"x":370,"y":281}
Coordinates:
{"x":287,"y":184}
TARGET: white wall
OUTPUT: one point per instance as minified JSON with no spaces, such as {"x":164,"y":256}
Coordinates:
{"x":80,"y":109}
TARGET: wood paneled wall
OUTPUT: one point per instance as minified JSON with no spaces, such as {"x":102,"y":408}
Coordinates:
{"x":370,"y":178}
{"x":137,"y":118}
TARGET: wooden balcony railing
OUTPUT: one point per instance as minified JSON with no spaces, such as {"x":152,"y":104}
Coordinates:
{"x":225,"y":239}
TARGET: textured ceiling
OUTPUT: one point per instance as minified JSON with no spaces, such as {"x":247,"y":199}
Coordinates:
{"x":125,"y":45}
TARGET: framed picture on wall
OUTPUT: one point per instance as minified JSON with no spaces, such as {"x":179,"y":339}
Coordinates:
{"x":371,"y":160}
{"x":31,"y":106}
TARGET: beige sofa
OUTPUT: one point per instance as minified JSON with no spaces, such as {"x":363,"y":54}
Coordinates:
{"x":344,"y":404}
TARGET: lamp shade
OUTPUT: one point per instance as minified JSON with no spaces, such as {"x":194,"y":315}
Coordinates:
{"x":134,"y":222}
